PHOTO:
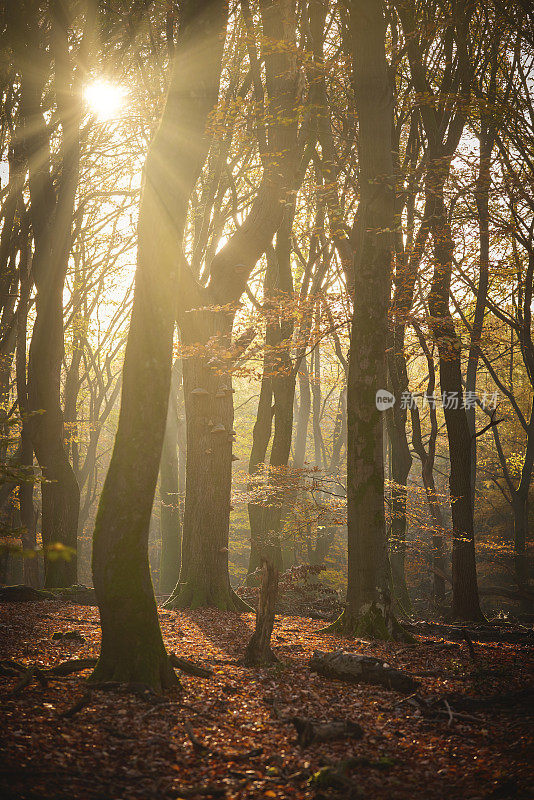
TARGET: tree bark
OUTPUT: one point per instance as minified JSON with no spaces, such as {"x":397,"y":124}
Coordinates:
{"x":204,"y":578}
{"x":258,"y":652}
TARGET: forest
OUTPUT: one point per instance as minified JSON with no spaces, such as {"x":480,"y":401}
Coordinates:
{"x":266,"y":399}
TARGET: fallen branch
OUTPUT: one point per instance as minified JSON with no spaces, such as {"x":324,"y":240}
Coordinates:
{"x":200,"y":747}
{"x":477,"y":633}
{"x":214,"y":789}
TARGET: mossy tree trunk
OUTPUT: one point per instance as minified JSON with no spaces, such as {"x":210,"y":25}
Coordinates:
{"x":132,"y":645}
{"x":367,"y":610}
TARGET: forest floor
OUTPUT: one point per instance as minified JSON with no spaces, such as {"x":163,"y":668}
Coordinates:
{"x":230,"y":735}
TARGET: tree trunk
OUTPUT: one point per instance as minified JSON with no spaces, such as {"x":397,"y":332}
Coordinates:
{"x":278,"y":388}
{"x":401,"y":462}
{"x":204,"y":578}
{"x":303,"y":418}
{"x":59,"y":490}
{"x":368,"y":606}
{"x":51,"y":216}
{"x":482,"y":202}
{"x":28,"y":514}
{"x":170,"y":517}
{"x":465,"y":604}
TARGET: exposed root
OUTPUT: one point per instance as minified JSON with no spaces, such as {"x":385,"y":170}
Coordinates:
{"x":186,"y":596}
{"x":80,"y":704}
{"x":372,"y":624}
{"x":71,"y":666}
{"x":42,"y":675}
{"x":155,"y":673}
{"x":189,"y":667}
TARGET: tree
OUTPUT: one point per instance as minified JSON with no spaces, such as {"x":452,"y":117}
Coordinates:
{"x":132,"y":645}
{"x":206,"y":322}
{"x":368,"y":610}
{"x":51,"y":210}
{"x":443,"y":124}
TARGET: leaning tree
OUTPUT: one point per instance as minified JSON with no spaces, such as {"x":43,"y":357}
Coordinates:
{"x":132,"y":645}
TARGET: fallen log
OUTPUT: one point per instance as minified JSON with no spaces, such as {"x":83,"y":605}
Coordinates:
{"x":501,"y":700}
{"x":310,"y":731}
{"x":78,"y":595}
{"x":20,"y":593}
{"x":476,"y":633}
{"x":355,"y":668}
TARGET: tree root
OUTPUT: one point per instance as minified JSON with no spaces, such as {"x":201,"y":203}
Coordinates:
{"x":71,"y":666}
{"x":31,"y":674}
{"x":9,"y":668}
{"x":80,"y":704}
{"x":155,"y":672}
{"x":189,"y":667}
{"x":186,"y":596}
{"x":373,"y":624}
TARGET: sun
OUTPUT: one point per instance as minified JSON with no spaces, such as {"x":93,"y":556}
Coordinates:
{"x":105,"y":99}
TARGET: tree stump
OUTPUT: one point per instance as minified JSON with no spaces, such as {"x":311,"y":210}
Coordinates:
{"x":258,"y":650}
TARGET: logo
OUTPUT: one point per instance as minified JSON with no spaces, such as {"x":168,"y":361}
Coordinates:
{"x":384,"y":399}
